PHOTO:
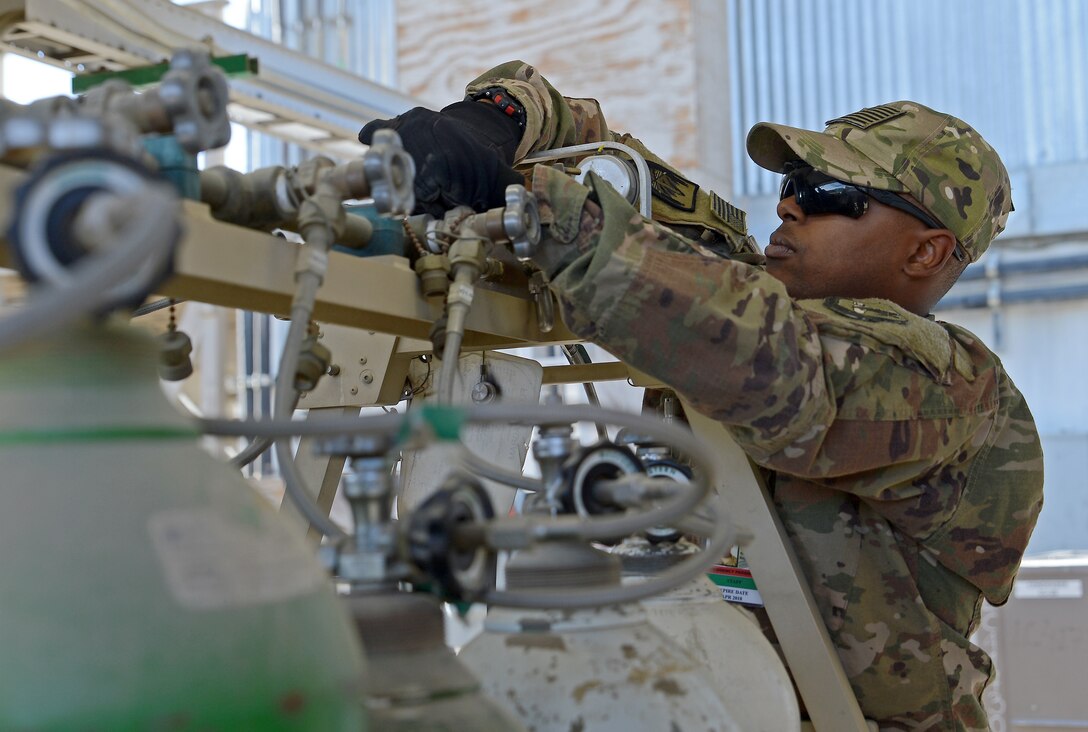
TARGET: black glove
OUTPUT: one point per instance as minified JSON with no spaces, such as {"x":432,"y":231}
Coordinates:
{"x":463,"y":154}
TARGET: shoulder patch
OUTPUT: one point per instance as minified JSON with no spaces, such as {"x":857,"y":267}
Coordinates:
{"x":868,"y":117}
{"x":671,"y":187}
{"x":915,"y":339}
{"x":866,"y":312}
{"x":727,"y":212}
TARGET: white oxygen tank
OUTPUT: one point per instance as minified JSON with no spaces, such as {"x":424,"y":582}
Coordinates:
{"x":603,"y":669}
{"x":726,"y":640}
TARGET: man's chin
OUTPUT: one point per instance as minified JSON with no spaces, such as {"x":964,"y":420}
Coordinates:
{"x":775,"y":268}
{"x":796,"y":288}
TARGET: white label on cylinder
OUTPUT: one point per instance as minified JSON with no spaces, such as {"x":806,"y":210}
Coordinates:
{"x":1045,"y":589}
{"x":211,"y":563}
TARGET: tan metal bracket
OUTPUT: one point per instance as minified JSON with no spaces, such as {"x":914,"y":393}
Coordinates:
{"x":811,"y":657}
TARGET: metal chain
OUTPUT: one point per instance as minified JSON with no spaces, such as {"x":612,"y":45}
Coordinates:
{"x":420,"y":249}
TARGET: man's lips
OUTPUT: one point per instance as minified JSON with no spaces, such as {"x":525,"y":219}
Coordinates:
{"x":779,"y":248}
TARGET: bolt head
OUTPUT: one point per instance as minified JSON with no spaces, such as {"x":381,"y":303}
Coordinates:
{"x":483,"y":392}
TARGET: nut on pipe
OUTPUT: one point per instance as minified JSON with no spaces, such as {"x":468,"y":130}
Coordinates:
{"x":216,"y":186}
{"x":433,"y":271}
{"x":351,"y":179}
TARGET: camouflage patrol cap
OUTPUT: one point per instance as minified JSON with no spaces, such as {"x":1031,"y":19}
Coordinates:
{"x":907,"y":148}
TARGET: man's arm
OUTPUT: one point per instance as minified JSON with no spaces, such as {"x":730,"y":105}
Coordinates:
{"x":728,"y":337}
{"x":551,"y":120}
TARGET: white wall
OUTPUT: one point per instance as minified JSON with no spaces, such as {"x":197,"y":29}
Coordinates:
{"x":1044,"y":349}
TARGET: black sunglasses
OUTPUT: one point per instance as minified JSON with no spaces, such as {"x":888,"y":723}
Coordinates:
{"x":819,"y":193}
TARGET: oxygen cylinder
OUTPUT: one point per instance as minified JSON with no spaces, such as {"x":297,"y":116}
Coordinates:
{"x":743,"y":666}
{"x":418,"y":684}
{"x":595,"y":670}
{"x":146,"y":586}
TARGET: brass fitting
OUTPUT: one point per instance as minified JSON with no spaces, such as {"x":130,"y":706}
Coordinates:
{"x":493,"y":269}
{"x":469,"y":251}
{"x":313,"y":363}
{"x":433,"y":271}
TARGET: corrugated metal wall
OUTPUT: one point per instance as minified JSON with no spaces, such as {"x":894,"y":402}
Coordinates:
{"x":1015,"y":69}
{"x":357,"y":35}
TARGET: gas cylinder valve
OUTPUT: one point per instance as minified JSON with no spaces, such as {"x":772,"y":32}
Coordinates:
{"x":369,"y":556}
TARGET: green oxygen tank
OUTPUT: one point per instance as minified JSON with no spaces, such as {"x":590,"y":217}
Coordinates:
{"x":144,"y":585}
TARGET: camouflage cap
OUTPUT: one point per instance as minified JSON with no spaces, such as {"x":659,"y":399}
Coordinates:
{"x":907,"y":148}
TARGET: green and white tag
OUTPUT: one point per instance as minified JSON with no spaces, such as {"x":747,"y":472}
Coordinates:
{"x":736,"y":582}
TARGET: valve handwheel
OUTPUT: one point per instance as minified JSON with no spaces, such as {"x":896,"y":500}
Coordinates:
{"x":42,"y":233}
{"x":460,"y":573}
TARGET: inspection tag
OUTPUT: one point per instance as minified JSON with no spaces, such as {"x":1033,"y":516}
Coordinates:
{"x":736,"y":584}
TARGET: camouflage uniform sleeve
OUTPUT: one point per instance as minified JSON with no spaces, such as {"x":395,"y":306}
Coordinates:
{"x":723,"y":334}
{"x":551,"y":120}
{"x":727,"y":336}
{"x":714,"y":226}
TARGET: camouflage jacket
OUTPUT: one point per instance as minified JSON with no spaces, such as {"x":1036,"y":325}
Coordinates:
{"x":906,"y":466}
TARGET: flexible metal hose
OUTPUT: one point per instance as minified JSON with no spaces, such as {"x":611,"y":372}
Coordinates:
{"x":551,"y":529}
{"x":258,"y":445}
{"x":318,"y":241}
{"x":459,"y":301}
{"x":685,"y":571}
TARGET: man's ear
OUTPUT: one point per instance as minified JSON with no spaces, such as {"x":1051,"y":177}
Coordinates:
{"x":932,"y":249}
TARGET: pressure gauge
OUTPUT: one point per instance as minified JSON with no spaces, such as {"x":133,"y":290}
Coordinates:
{"x":598,"y":464}
{"x":461,"y":573}
{"x":666,"y":469}
{"x":613,"y":170}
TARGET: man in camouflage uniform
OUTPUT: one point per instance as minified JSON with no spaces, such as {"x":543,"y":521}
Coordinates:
{"x":905,"y":464}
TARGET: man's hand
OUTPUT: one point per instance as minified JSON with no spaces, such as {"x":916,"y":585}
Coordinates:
{"x":463,"y":154}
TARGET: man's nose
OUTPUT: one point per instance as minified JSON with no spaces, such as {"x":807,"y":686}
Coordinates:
{"x":788,"y":209}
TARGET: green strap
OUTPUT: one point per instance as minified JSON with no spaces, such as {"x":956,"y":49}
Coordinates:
{"x":441,"y":421}
{"x":95,"y":434}
{"x":238,"y":65}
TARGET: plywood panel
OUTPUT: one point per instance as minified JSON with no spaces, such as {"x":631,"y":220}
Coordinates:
{"x":636,"y":57}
